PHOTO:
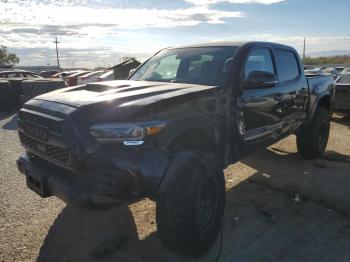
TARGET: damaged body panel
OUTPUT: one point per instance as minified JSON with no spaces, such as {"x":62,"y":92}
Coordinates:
{"x":54,"y":129}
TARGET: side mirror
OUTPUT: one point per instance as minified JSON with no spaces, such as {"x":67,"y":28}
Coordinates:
{"x":260,"y":79}
{"x":132,"y":71}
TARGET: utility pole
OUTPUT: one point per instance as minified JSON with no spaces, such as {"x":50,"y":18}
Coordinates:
{"x":58,"y":60}
{"x":304,"y":54}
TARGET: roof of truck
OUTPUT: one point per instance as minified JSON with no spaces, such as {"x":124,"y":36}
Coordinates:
{"x":230,"y":44}
{"x":217,"y":43}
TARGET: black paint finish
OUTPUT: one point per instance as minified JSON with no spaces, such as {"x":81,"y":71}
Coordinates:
{"x":230,"y":121}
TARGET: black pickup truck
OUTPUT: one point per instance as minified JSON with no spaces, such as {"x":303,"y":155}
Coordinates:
{"x":169,"y":130}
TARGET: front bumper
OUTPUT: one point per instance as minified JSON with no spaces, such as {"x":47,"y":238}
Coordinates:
{"x":61,"y":163}
{"x":97,"y":188}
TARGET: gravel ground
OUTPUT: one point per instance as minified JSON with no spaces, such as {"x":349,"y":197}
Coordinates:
{"x":280,"y":207}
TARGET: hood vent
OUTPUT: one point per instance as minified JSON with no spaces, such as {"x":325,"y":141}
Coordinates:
{"x":100,"y":87}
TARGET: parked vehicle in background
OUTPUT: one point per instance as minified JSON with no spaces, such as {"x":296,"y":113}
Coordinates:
{"x":108,"y":76}
{"x":331,"y":71}
{"x":14,"y":92}
{"x":49,"y":74}
{"x":19,"y":74}
{"x":64,"y":74}
{"x":169,"y":130}
{"x":72,"y":79}
{"x":345,"y":71}
{"x":121,"y":71}
{"x":339,"y":69}
{"x":89,"y":77}
{"x":314,"y":72}
{"x":342,"y":93}
{"x":308,"y":67}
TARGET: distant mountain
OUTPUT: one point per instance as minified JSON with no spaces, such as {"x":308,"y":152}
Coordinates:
{"x":329,"y":53}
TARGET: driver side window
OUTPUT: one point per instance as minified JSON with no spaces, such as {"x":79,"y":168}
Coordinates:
{"x":259,"y":60}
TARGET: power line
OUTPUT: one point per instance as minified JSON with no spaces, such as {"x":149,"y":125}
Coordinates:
{"x":304,"y":54}
{"x":58,"y":60}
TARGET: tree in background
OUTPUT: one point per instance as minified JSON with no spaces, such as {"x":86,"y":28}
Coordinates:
{"x":336,"y":60}
{"x":7,"y":58}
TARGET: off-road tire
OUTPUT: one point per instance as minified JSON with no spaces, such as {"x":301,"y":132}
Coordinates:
{"x":181,"y":228}
{"x":312,"y":141}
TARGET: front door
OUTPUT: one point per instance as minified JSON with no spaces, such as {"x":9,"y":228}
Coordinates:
{"x":262,"y":107}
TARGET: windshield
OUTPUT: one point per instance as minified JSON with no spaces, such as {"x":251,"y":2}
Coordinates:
{"x":198,"y":65}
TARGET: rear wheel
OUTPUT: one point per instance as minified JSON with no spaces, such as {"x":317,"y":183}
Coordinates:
{"x":312,"y":141}
{"x":190,"y":210}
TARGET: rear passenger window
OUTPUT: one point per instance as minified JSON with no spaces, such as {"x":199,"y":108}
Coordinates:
{"x":259,"y":60}
{"x":287,"y":65}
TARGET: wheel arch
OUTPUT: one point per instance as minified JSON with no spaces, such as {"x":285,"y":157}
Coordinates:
{"x":193,"y":139}
{"x":325,"y":102}
{"x":184,"y":145}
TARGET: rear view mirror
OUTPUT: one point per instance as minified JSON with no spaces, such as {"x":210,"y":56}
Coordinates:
{"x":260,"y":79}
{"x":132,"y":71}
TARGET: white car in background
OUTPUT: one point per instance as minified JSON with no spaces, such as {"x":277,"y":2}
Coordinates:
{"x":314,"y":72}
{"x":331,"y":71}
{"x":89,"y":77}
{"x":345,"y":71}
{"x":108,"y":76}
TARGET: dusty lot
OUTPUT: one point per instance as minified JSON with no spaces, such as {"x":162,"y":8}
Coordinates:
{"x":280,"y":207}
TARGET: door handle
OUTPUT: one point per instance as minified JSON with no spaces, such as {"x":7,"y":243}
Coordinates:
{"x":278,"y":97}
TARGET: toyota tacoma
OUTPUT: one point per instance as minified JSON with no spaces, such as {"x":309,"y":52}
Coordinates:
{"x":168,"y":132}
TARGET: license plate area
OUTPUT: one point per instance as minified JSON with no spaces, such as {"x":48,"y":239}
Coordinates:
{"x":38,"y":185}
{"x":36,"y":132}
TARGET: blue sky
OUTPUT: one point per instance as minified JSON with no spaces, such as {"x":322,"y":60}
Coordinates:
{"x":99,"y":32}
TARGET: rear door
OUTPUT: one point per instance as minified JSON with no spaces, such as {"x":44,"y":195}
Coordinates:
{"x":293,"y":89}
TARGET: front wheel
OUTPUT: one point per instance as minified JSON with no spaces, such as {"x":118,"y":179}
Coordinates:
{"x":190,"y":210}
{"x":312,"y":141}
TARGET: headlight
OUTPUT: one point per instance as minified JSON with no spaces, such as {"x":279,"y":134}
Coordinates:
{"x":129,"y":134}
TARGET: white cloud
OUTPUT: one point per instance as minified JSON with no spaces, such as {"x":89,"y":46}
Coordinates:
{"x":209,"y":2}
{"x":32,"y":13}
{"x":32,"y":24}
{"x":90,"y":34}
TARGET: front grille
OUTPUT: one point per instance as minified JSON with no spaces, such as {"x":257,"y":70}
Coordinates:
{"x":43,"y":135}
{"x":57,"y":153}
{"x":53,"y":152}
{"x":26,"y":140}
{"x":52,"y":125}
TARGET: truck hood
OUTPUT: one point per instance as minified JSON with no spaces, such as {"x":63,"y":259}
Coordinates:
{"x":123,"y":93}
